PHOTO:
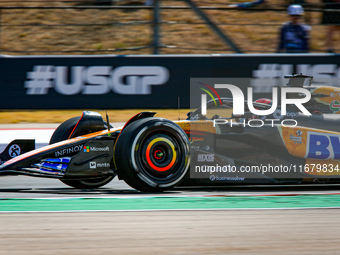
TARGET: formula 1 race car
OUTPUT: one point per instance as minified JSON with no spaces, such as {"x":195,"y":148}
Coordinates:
{"x":152,"y":154}
{"x":218,"y":148}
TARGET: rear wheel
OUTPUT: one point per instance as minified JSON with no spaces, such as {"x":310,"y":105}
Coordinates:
{"x":62,"y":133}
{"x":152,"y":154}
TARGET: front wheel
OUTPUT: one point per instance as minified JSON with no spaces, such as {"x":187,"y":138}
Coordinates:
{"x":152,"y":154}
{"x":62,"y":133}
{"x":88,"y":184}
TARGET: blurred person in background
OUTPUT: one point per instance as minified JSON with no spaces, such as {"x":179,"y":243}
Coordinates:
{"x":332,"y":19}
{"x":294,"y":35}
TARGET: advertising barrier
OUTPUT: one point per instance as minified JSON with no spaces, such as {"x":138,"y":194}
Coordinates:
{"x":140,"y":81}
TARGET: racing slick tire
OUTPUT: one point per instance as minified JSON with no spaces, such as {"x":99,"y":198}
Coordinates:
{"x":62,"y":133}
{"x":152,"y":154}
{"x":64,"y":130}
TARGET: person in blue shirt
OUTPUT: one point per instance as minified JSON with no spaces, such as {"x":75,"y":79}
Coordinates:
{"x":294,"y":36}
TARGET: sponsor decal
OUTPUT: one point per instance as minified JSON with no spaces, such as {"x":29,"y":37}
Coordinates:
{"x":94,"y":165}
{"x":103,"y":164}
{"x":14,"y":150}
{"x":90,"y":149}
{"x":323,"y":146}
{"x":95,"y":80}
{"x":334,"y":106}
{"x":277,"y":114}
{"x":296,"y":139}
{"x":332,"y":100}
{"x":68,"y":151}
{"x":196,"y":139}
{"x":206,"y":158}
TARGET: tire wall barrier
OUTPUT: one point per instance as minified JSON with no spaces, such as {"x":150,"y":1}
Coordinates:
{"x":144,"y":81}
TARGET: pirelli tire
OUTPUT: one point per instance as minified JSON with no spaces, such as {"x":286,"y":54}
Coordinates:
{"x":62,"y":133}
{"x":152,"y":154}
{"x":64,"y":130}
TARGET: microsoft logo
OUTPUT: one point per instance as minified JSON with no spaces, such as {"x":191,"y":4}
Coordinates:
{"x":86,"y":148}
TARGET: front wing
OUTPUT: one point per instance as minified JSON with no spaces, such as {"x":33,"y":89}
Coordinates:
{"x":76,"y":158}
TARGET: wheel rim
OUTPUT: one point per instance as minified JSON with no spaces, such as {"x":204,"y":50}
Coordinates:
{"x":158,"y":156}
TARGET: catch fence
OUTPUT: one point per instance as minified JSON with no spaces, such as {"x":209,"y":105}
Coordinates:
{"x":148,"y":27}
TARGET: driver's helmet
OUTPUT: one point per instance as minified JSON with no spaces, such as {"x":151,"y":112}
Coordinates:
{"x":262,"y":101}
